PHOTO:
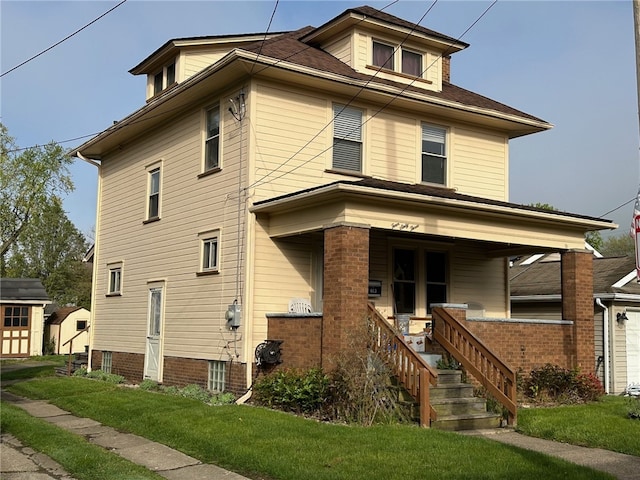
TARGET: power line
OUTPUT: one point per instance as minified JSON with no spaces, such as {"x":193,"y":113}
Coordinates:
{"x":618,"y":207}
{"x":63,"y":40}
{"x":372,"y":116}
{"x":275,"y":7}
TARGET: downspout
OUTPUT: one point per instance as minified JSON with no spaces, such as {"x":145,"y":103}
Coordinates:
{"x":605,"y":341}
{"x":94,"y":272}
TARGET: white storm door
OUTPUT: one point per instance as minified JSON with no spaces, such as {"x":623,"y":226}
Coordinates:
{"x":152,"y":357}
{"x":633,"y":347}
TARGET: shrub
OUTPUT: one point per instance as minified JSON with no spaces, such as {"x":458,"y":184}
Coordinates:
{"x":149,"y":385}
{"x":195,"y":392}
{"x":49,"y":347}
{"x":299,"y":391}
{"x":633,"y":403}
{"x":556,"y":384}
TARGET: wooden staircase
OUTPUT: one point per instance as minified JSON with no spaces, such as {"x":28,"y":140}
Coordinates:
{"x":456,"y":407}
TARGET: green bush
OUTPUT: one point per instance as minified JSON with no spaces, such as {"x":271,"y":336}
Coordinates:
{"x":99,"y":375}
{"x":552,"y":383}
{"x":299,"y":391}
{"x":195,"y":392}
{"x":634,"y":407}
{"x":149,"y":385}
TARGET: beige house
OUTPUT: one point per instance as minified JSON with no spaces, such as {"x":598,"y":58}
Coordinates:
{"x":22,"y":302}
{"x":67,"y":327}
{"x":337,"y":164}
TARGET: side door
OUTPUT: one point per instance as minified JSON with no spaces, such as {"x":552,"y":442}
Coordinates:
{"x":154,"y":334}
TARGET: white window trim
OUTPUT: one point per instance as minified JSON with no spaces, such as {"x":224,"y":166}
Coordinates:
{"x":165,"y":80}
{"x":112,"y":268}
{"x":150,"y":169}
{"x":205,"y":138}
{"x":203,"y":237}
{"x":447,"y":157}
{"x":362,"y":141}
{"x":397,"y":59}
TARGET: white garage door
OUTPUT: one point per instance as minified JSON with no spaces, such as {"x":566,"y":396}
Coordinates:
{"x":633,"y":347}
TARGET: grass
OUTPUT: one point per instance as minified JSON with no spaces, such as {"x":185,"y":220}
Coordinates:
{"x":59,"y":360}
{"x":602,"y":424}
{"x":81,"y":459}
{"x":261,"y":443}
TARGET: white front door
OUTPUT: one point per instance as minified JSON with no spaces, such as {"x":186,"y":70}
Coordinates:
{"x":633,"y":347}
{"x":152,"y":357}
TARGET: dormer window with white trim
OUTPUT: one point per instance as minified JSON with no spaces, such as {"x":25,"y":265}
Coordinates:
{"x":383,"y":55}
{"x":397,"y":59}
{"x":164,"y":78}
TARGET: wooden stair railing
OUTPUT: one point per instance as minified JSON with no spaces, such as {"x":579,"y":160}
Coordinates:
{"x":477,"y":359}
{"x":406,"y":364}
{"x":70,"y":342}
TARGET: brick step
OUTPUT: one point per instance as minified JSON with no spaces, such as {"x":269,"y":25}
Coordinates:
{"x":467,"y":422}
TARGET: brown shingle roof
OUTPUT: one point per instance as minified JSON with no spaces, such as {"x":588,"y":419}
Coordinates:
{"x":288,"y":47}
{"x":61,"y":314}
{"x":543,"y":278}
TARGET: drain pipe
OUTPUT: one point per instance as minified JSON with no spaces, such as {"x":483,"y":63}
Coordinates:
{"x":605,"y":341}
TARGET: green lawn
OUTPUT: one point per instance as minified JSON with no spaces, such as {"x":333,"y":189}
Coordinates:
{"x":260,"y":443}
{"x":603,"y":424}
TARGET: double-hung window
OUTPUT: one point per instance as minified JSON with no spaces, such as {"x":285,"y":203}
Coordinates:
{"x":347,"y":138}
{"x":212,"y":139}
{"x":210,"y":254}
{"x":383,"y":55}
{"x":154,"y":194}
{"x":114,"y":286}
{"x":411,"y":63}
{"x":434,"y":154}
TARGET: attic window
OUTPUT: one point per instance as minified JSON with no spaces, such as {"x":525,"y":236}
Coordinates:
{"x":397,"y":59}
{"x":383,"y":55}
{"x":164,"y":78}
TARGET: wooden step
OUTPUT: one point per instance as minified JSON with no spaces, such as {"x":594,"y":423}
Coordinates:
{"x":449,"y":376}
{"x":459,"y":406}
{"x":452,"y":390}
{"x":474,"y":421}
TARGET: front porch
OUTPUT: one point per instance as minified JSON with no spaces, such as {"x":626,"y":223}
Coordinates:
{"x":419,"y":246}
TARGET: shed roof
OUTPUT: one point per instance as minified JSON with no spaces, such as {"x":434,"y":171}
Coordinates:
{"x":22,"y":289}
{"x":60,"y":315}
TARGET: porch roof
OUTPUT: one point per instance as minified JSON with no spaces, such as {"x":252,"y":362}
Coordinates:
{"x":429,"y":210}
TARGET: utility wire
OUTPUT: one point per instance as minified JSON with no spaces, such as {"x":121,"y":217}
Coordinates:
{"x":275,"y":7}
{"x":372,"y":116}
{"x":618,"y":207}
{"x":61,"y":41}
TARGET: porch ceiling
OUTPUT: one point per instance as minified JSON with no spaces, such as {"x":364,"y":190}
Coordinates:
{"x":423,"y":210}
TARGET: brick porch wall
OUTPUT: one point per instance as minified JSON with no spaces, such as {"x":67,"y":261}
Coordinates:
{"x":302,"y":340}
{"x":346,"y":283}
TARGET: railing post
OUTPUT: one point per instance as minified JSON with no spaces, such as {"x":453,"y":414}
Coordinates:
{"x":69,"y":362}
{"x":425,"y":403}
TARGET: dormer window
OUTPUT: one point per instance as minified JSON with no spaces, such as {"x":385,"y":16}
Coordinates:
{"x":164,"y":78}
{"x":397,"y":59}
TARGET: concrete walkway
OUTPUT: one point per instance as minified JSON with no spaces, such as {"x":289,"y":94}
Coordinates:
{"x":18,"y":462}
{"x":621,"y":466}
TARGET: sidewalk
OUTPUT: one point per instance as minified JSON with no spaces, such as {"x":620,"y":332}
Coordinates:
{"x":621,"y":466}
{"x":15,"y":459}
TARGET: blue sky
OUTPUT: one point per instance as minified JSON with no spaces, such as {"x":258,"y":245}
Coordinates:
{"x":570,"y":63}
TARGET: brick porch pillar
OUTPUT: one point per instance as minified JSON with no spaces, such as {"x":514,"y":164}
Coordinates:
{"x":346,"y":282}
{"x":577,"y":305}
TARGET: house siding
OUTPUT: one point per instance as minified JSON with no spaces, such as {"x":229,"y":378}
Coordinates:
{"x":341,"y":49}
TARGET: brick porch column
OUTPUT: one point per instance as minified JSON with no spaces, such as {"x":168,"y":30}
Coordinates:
{"x":577,"y":305}
{"x":346,"y":282}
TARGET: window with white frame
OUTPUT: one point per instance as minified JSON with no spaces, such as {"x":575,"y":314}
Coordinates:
{"x":435,"y":278}
{"x":434,"y":154}
{"x":164,"y":78}
{"x":212,"y":139}
{"x":411,"y":63}
{"x":347,"y":138}
{"x":217,"y":375}
{"x":154,"y":194}
{"x":114,"y":280}
{"x":383,"y":55}
{"x":106,"y":362}
{"x":210,"y":254}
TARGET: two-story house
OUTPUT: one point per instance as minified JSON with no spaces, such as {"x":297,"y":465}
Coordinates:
{"x":338,"y":164}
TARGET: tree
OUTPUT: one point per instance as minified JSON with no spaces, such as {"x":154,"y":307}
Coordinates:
{"x":51,"y":248}
{"x":29,"y":178}
{"x":618,"y":245}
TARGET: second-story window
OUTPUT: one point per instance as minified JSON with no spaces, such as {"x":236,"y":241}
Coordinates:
{"x":434,"y":154}
{"x":154,"y":194}
{"x":114,"y":286}
{"x":347,"y":138}
{"x":212,"y":140}
{"x":210,"y":254}
{"x":411,"y":63}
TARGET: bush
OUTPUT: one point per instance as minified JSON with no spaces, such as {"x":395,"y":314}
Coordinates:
{"x":149,"y":385}
{"x":299,"y":391}
{"x":552,"y":383}
{"x":99,"y":375}
{"x":634,"y":407}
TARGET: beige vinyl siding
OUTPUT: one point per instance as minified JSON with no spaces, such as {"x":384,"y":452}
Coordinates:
{"x":195,"y":61}
{"x":392,"y":147}
{"x":618,"y":342}
{"x":169,"y":249}
{"x":433,"y":67}
{"x":536,"y":311}
{"x":341,"y":49}
{"x":477,"y":279}
{"x":281,"y":131}
{"x":598,"y":340}
{"x":362,"y":51}
{"x":479,"y":163}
